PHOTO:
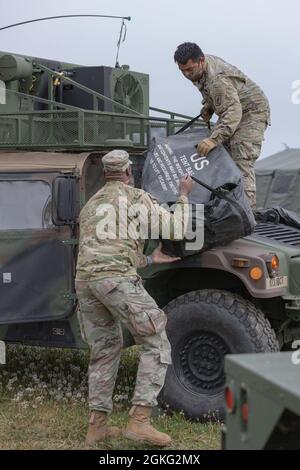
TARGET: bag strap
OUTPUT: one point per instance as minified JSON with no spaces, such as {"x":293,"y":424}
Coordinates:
{"x":222,"y":194}
{"x":186,"y":126}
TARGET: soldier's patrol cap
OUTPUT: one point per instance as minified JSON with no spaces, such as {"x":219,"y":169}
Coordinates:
{"x":116,"y":161}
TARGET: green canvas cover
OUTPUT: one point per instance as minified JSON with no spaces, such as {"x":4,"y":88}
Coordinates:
{"x":278,"y":180}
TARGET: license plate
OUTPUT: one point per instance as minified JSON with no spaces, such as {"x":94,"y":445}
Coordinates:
{"x":2,"y":353}
{"x":275,"y":282}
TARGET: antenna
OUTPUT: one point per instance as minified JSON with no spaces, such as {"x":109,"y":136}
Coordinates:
{"x":123,"y":25}
{"x":63,"y":16}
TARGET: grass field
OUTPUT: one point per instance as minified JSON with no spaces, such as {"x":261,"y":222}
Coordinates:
{"x":43,"y":404}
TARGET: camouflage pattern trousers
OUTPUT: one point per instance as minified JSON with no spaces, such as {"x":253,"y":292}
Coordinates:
{"x":245,"y":147}
{"x":103,"y":306}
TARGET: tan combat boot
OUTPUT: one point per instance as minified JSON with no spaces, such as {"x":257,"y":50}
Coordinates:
{"x":98,"y":429}
{"x":139,"y":428}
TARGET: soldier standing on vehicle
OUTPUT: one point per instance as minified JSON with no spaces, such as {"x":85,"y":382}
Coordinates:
{"x":110,"y":293}
{"x":241,"y":106}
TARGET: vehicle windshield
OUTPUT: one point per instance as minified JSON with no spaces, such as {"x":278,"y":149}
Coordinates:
{"x":25,"y":205}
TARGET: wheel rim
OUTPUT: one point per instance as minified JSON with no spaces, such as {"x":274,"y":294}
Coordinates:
{"x":199,"y":362}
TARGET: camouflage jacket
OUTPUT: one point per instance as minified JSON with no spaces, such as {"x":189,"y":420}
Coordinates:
{"x":120,"y":254}
{"x":230,"y":94}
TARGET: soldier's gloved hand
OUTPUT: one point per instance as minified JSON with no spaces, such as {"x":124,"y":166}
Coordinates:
{"x":206,"y":113}
{"x":206,"y":146}
{"x":186,"y":185}
{"x":158,"y":257}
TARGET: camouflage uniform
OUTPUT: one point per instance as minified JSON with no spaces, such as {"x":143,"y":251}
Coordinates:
{"x":243,"y":112}
{"x":103,"y":306}
{"x":110,"y":293}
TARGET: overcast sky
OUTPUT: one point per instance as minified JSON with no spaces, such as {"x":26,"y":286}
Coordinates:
{"x":261,"y":37}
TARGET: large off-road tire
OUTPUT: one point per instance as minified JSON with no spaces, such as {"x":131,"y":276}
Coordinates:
{"x":203,"y":326}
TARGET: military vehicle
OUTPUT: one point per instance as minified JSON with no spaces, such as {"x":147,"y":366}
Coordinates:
{"x":263,"y":402}
{"x":56,"y":123}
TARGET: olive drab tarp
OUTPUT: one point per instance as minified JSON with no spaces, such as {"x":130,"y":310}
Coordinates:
{"x":278,"y":180}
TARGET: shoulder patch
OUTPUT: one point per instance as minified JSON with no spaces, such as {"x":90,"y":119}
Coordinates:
{"x":219,"y":96}
{"x":218,"y":91}
{"x":219,"y":99}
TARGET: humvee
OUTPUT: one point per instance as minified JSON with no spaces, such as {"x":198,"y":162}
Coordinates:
{"x":263,"y":402}
{"x":57,"y":122}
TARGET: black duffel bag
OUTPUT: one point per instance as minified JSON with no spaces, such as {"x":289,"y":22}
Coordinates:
{"x":227,"y":211}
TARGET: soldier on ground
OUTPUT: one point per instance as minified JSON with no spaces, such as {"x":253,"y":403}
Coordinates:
{"x":241,"y":106}
{"x":110,"y":292}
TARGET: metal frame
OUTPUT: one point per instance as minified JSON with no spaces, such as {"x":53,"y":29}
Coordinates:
{"x":130,"y":129}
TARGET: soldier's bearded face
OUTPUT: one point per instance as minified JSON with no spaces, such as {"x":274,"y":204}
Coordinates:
{"x":192,"y":70}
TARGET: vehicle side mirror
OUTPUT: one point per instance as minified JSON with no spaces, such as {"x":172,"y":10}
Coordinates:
{"x":64,"y":200}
